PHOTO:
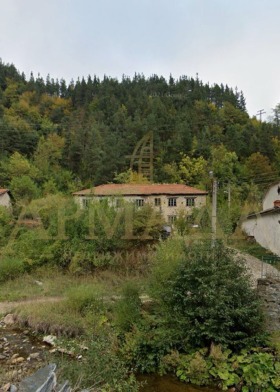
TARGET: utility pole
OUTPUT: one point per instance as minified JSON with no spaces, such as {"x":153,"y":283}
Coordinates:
{"x":229,"y":195}
{"x":214,"y":208}
{"x":260,"y":113}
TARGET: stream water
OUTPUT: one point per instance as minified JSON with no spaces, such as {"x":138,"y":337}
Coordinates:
{"x":21,"y":354}
{"x":154,"y":383}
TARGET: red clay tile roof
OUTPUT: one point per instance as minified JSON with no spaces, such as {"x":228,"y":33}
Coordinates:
{"x":140,"y":189}
{"x":2,"y":191}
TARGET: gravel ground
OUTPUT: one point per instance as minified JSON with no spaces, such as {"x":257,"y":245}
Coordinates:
{"x":257,"y":268}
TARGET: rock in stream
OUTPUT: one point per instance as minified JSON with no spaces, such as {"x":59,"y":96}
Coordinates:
{"x":22,"y":359}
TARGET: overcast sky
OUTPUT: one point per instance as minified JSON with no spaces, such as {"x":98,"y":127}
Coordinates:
{"x":235,"y":42}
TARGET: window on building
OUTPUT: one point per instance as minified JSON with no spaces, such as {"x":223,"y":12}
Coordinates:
{"x":86,"y":203}
{"x":171,"y":219}
{"x":172,"y":202}
{"x":190,"y":202}
{"x":118,"y":202}
{"x":139,"y":202}
{"x":157,"y":201}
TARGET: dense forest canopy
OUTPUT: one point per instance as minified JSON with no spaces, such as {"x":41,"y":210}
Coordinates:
{"x":57,"y":136}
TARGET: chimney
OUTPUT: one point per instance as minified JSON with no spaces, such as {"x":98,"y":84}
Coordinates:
{"x":277,"y":204}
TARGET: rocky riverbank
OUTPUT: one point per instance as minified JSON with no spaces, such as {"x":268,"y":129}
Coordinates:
{"x":21,"y":353}
{"x":24,"y":356}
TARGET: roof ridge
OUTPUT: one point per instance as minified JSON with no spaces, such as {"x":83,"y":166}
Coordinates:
{"x":110,"y":189}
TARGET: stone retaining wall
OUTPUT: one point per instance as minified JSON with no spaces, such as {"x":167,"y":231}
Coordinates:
{"x":269,"y":291}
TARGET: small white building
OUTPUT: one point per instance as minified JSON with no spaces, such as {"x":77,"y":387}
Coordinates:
{"x":264,"y":226}
{"x":272,"y":194}
{"x":169,"y":199}
{"x":5,"y":198}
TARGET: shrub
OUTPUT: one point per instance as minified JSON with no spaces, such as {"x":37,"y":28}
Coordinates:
{"x":128,"y":308}
{"x":24,"y":188}
{"x":55,"y":230}
{"x":6,"y":219}
{"x":10,"y":268}
{"x":85,"y":261}
{"x":247,"y":371}
{"x":207,"y":297}
{"x":146,"y":344}
{"x":168,"y":255}
{"x":101,"y":368}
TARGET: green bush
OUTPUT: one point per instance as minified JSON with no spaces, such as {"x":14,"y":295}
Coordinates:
{"x":101,"y":367}
{"x":85,"y":261}
{"x":128,"y":308}
{"x":6,"y":224}
{"x":168,"y":255}
{"x":24,"y":188}
{"x":146,"y":344}
{"x":207,"y":297}
{"x":10,"y":268}
{"x":247,"y":371}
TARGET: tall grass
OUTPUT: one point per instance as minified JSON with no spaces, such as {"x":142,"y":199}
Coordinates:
{"x":101,"y":370}
{"x":127,"y":310}
{"x":51,"y":318}
{"x":86,"y":298}
{"x":10,"y":268}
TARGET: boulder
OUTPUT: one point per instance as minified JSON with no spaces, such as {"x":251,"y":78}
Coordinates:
{"x":9,"y":319}
{"x":50,"y":339}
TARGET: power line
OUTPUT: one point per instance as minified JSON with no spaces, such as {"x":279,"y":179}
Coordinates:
{"x":260,"y":113}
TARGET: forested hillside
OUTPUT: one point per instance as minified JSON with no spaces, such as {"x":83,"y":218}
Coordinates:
{"x":58,"y":137}
{"x":130,"y":302}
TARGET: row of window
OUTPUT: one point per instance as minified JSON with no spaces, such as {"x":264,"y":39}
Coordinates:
{"x":172,"y":202}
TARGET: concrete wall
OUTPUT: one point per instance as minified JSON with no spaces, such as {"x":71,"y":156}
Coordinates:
{"x":5,"y":200}
{"x":266,"y":230}
{"x":164,"y":208}
{"x":269,"y":291}
{"x":271,"y":195}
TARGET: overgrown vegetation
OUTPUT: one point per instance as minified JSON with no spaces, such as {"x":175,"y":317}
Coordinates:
{"x":253,"y":370}
{"x":207,"y":293}
{"x":253,"y":248}
{"x":80,"y":241}
{"x":202,"y":320}
{"x":102,"y":360}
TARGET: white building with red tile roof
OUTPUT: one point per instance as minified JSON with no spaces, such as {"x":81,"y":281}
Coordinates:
{"x":169,"y":199}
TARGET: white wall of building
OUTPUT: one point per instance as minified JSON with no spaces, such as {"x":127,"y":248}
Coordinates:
{"x":5,"y":200}
{"x":164,"y":208}
{"x":270,"y":197}
{"x":266,"y":230}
